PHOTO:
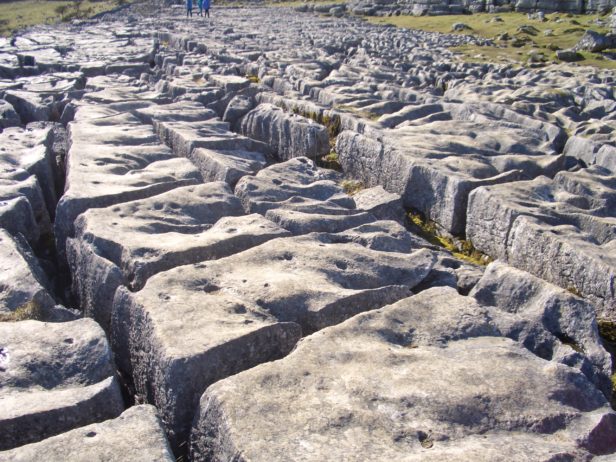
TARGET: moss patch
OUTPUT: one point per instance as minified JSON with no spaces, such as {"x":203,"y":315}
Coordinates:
{"x":351,"y":187}
{"x":513,"y":41}
{"x":30,"y":310}
{"x":330,"y":161}
{"x":459,"y":248}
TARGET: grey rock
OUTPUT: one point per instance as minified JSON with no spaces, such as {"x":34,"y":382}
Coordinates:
{"x":561,"y":230}
{"x":24,"y":285}
{"x":594,"y":42}
{"x":8,"y":116}
{"x":570,"y":319}
{"x":185,"y":137}
{"x":128,"y":243}
{"x":102,"y":153}
{"x":185,"y":111}
{"x":322,"y":400}
{"x":380,"y":203}
{"x":295,"y":179}
{"x":237,"y":108}
{"x":56,"y":377}
{"x":17,"y":217}
{"x":289,"y":135}
{"x":568,"y":56}
{"x":246,"y":306}
{"x":228,"y":166}
{"x":30,"y":149}
{"x":135,"y":435}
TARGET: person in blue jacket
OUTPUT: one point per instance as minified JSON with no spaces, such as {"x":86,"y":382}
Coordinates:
{"x":200,"y":5}
{"x":189,"y":8}
{"x":206,"y":7}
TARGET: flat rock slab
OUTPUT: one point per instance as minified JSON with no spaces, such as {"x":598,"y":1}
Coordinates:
{"x":110,"y":164}
{"x":373,"y":388}
{"x":434,"y":164}
{"x":290,"y":180}
{"x":184,"y":137}
{"x":380,"y":203}
{"x":184,"y":111}
{"x":288,"y":135}
{"x":135,"y":435}
{"x":301,"y":198}
{"x":23,"y":284}
{"x":55,"y":377}
{"x":30,"y":150}
{"x":562,"y":230}
{"x":125,"y":244}
{"x":225,"y":165}
{"x":203,"y":322}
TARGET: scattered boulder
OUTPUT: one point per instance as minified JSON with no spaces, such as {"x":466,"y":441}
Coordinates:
{"x":594,"y":42}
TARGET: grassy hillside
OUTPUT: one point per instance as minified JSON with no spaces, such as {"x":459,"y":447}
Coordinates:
{"x":18,"y":14}
{"x":514,"y":34}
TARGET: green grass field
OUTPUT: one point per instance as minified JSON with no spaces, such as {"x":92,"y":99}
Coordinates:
{"x":566,"y":32}
{"x":19,"y":14}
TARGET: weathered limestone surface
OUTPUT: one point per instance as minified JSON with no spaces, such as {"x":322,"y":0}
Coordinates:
{"x":8,"y":116}
{"x":288,"y":135}
{"x":373,"y":387}
{"x":120,"y":153}
{"x":30,"y":150}
{"x":184,"y":137}
{"x":55,"y":377}
{"x":135,"y":435}
{"x":23,"y":284}
{"x":248,"y":307}
{"x":125,"y":244}
{"x":198,"y":286}
{"x":562,"y":230}
{"x":434,"y":163}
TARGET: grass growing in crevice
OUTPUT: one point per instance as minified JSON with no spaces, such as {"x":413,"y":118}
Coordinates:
{"x":607,"y":330}
{"x":330,"y":161}
{"x":30,"y":310}
{"x":513,"y":41}
{"x":459,"y":248}
{"x":358,"y":112}
{"x":19,"y":14}
{"x":351,"y":187}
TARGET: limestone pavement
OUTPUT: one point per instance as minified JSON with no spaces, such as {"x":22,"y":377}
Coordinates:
{"x":184,"y":276}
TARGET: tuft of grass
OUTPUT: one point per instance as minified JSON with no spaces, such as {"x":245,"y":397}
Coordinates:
{"x":574,"y":290}
{"x":352,"y":187}
{"x":459,"y":248}
{"x":17,"y":15}
{"x":30,"y":310}
{"x":331,"y":161}
{"x":517,"y":28}
{"x":253,"y":78}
